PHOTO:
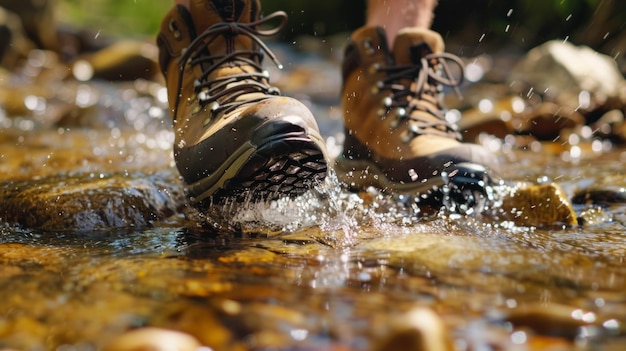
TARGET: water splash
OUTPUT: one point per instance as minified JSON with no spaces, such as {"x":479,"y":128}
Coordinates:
{"x":340,"y":214}
{"x":327,"y":206}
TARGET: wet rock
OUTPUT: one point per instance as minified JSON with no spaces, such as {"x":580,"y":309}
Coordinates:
{"x":477,"y":123}
{"x":122,"y":61}
{"x":539,"y":205}
{"x":13,"y":42}
{"x":511,"y":115}
{"x":418,"y":330}
{"x":611,"y":125}
{"x":153,"y":339}
{"x":556,"y":87}
{"x":87,"y":202}
{"x":604,"y":197}
{"x":576,"y":77}
{"x":551,"y":319}
{"x":546,"y":121}
{"x":492,"y":116}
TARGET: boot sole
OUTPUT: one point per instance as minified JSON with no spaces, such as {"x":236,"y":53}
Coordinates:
{"x":282,"y":165}
{"x":361,"y":174}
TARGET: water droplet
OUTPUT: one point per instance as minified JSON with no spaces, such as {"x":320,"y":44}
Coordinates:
{"x":518,"y":105}
{"x":453,"y":116}
{"x":485,"y":105}
{"x":584,"y":99}
{"x":519,"y":337}
{"x":474,"y":72}
{"x":82,"y":70}
{"x":35,"y":103}
{"x":575,"y":152}
{"x":612,"y":324}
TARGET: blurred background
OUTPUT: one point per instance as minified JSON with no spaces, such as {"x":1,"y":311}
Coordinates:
{"x":471,"y":27}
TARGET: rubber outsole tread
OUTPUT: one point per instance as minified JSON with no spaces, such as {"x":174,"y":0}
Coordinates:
{"x":286,"y":167}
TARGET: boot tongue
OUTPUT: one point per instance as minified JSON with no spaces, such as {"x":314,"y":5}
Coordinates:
{"x":412,"y":44}
{"x":206,"y":13}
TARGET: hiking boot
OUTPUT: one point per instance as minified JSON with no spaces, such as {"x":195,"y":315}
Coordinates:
{"x":235,"y":136}
{"x":397,"y":136}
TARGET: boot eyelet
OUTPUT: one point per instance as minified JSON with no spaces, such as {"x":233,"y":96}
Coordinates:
{"x":377,"y":87}
{"x":406,"y":137}
{"x":203,"y":96}
{"x":369,"y":48}
{"x":387,"y":101}
{"x":401,"y":112}
{"x":374,"y":68}
{"x":173,"y":27}
{"x":382,"y":113}
{"x":273,"y":91}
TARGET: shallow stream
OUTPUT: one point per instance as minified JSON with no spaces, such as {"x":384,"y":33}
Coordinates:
{"x":336,"y":271}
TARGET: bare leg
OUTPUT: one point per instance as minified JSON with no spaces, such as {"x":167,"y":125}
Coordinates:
{"x":394,"y":15}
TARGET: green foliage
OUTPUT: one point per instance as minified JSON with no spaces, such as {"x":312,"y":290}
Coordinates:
{"x":121,"y":18}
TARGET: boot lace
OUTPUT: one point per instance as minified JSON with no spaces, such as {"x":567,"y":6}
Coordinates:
{"x":220,"y":93}
{"x":418,"y":103}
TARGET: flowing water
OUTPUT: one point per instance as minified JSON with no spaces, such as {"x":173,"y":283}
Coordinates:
{"x":332,"y":270}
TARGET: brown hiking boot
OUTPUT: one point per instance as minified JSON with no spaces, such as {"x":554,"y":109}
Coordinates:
{"x":235,"y":135}
{"x":397,"y":137}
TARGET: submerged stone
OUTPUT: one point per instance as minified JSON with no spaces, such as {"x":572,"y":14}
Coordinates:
{"x":551,"y":319}
{"x":153,"y":339}
{"x":418,"y":330}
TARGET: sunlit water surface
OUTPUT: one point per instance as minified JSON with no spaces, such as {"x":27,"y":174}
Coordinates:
{"x":329,"y":270}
